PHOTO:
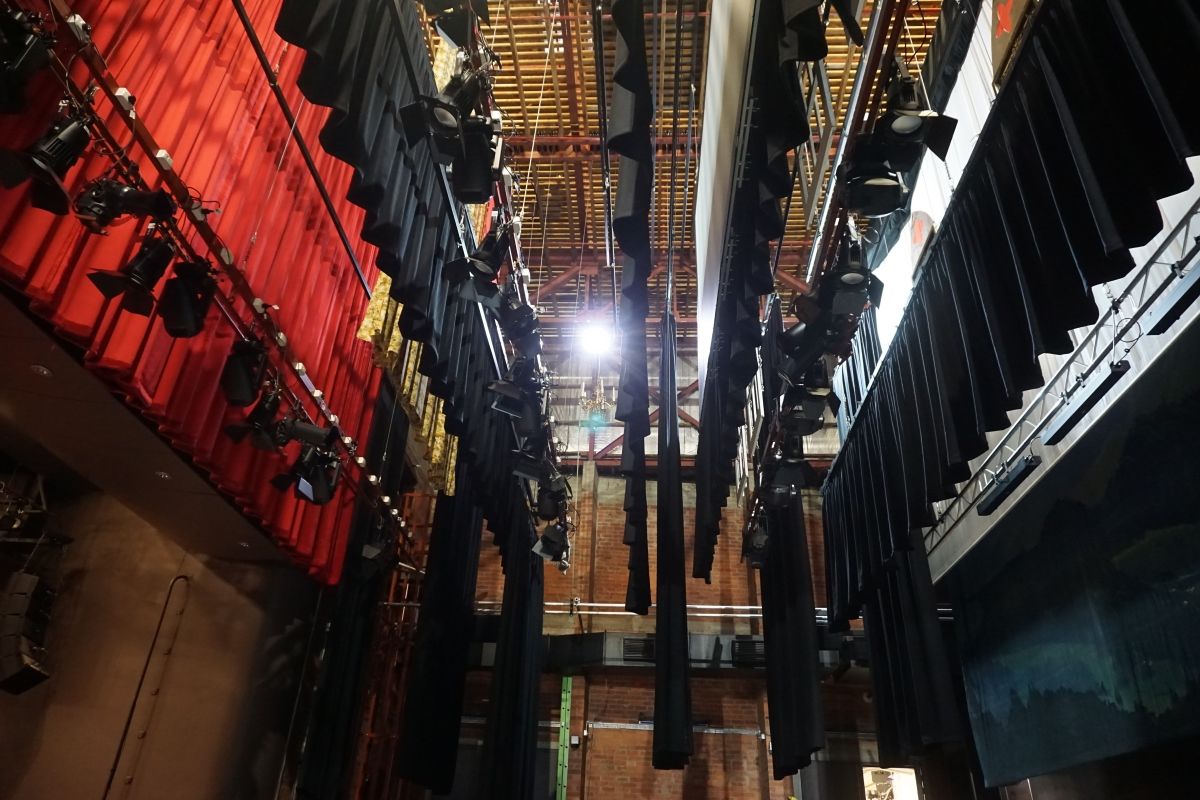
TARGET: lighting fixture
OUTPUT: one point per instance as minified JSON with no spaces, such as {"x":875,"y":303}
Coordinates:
{"x":755,"y":539}
{"x":803,"y":344}
{"x":103,"y":200}
{"x":313,"y":476}
{"x":186,"y":298}
{"x":243,"y":373}
{"x":554,"y":543}
{"x":301,"y":430}
{"x":873,"y":188}
{"x":474,"y":171}
{"x":46,"y":163}
{"x":135,"y":282}
{"x":595,"y":339}
{"x":803,"y":411}
{"x":23,"y":51}
{"x":519,"y":321}
{"x":1182,"y":294}
{"x":1082,"y":400}
{"x":1006,"y":483}
{"x":259,"y":424}
{"x":909,"y":125}
{"x":552,"y":497}
{"x":440,"y":117}
{"x":485,"y":263}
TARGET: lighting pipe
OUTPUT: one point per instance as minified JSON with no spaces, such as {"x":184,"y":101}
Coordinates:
{"x":874,"y":47}
{"x":605,"y":164}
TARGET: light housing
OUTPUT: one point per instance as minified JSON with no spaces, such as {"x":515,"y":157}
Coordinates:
{"x":244,"y":371}
{"x":186,"y":298}
{"x":23,"y":51}
{"x":313,"y":476}
{"x":1006,"y":483}
{"x":103,"y":200}
{"x":260,"y":424}
{"x":909,"y":126}
{"x":554,"y":544}
{"x":46,"y":163}
{"x":874,"y":188}
{"x":135,"y":282}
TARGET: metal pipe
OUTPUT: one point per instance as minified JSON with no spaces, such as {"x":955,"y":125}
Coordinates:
{"x":290,"y":117}
{"x":605,"y":165}
{"x":873,"y":55}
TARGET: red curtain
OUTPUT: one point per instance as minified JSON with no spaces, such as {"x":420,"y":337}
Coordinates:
{"x":201,"y":93}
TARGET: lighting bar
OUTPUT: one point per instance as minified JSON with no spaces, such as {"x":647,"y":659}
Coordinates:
{"x":1006,"y":484}
{"x":1081,"y":401}
{"x":1184,"y":292}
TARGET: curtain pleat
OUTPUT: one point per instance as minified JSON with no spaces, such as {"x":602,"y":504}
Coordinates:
{"x":1057,"y":191}
{"x":199,"y":90}
{"x":672,"y":690}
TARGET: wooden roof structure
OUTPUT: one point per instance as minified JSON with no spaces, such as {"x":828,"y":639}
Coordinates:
{"x":547,"y":89}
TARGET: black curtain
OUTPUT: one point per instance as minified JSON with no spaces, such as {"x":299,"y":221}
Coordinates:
{"x":790,"y":638}
{"x":433,"y":705}
{"x":1052,"y":198}
{"x":672,"y":691}
{"x":510,"y":757}
{"x":629,"y":137}
{"x":334,"y":718}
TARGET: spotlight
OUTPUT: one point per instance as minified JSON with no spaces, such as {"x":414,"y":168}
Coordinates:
{"x":803,"y":411}
{"x":314,"y":475}
{"x":23,"y":51}
{"x":300,"y":430}
{"x":1005,"y":484}
{"x":519,"y":322}
{"x":474,"y":170}
{"x":754,"y":543}
{"x":554,"y":543}
{"x":103,"y":200}
{"x":259,"y":424}
{"x":485,"y":263}
{"x":804,"y":344}
{"x":186,"y":297}
{"x":440,"y":117}
{"x":595,"y":338}
{"x":874,"y":188}
{"x":552,"y":497}
{"x":243,"y":373}
{"x":909,"y":125}
{"x":137,"y":279}
{"x":46,"y":163}
{"x":1082,"y":400}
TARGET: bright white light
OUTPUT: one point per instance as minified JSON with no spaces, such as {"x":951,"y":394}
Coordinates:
{"x":595,"y":339}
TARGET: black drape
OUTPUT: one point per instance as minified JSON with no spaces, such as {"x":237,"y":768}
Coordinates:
{"x":672,"y":691}
{"x":433,"y":706}
{"x":1052,"y":198}
{"x":790,"y":638}
{"x":510,"y":758}
{"x":629,"y":137}
{"x":334,"y":720}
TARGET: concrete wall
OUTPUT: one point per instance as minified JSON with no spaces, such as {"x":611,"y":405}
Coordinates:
{"x":210,"y":720}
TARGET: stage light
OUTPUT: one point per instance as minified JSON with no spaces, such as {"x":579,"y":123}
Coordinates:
{"x":186,"y":298}
{"x":46,"y":163}
{"x":484,"y":264}
{"x":909,"y":125}
{"x":595,"y":338}
{"x":301,"y":430}
{"x":243,"y":373}
{"x":552,"y":497}
{"x":23,"y":51}
{"x":803,"y":344}
{"x":1182,"y":294}
{"x":1005,"y":484}
{"x":519,"y":321}
{"x":440,"y":117}
{"x":260,"y":424}
{"x":473,"y":172}
{"x":803,"y":411}
{"x":135,"y":282}
{"x":874,"y":189}
{"x":755,"y":539}
{"x":554,"y":543}
{"x":1082,"y":400}
{"x":103,"y":200}
{"x":313,"y":476}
